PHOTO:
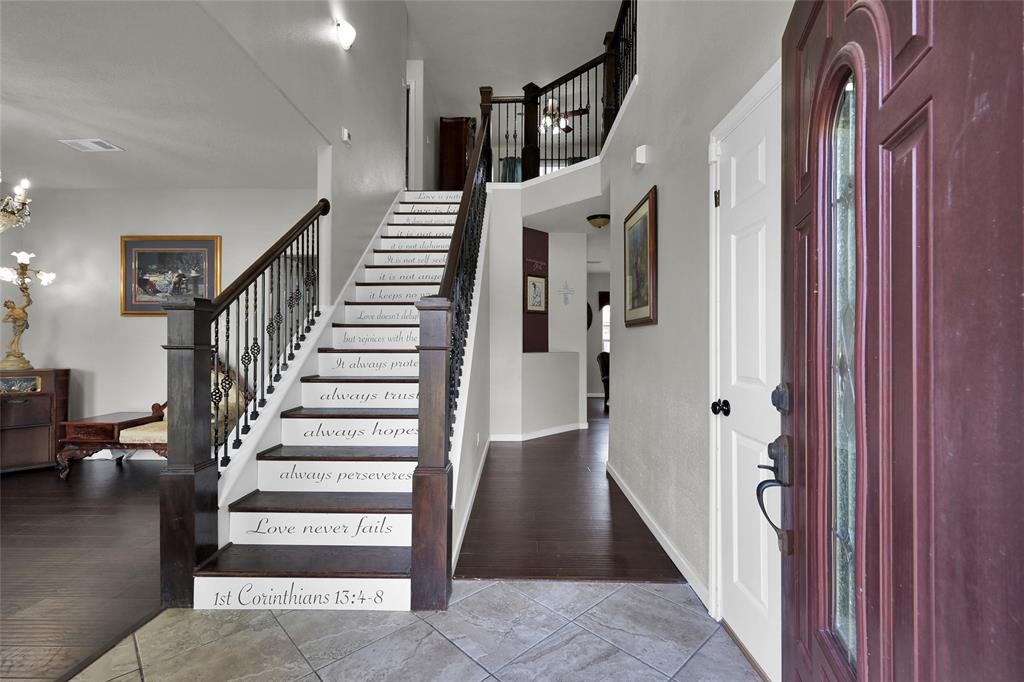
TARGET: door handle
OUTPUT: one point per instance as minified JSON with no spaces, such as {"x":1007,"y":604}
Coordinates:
{"x":778,"y":452}
{"x":721,"y":407}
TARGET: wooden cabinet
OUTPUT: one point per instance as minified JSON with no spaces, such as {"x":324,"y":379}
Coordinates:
{"x":454,"y":148}
{"x":33,"y":403}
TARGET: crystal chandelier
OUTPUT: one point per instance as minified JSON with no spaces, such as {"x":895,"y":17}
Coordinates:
{"x":14,"y":211}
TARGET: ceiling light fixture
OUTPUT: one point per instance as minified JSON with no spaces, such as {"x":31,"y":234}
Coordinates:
{"x":599,"y":220}
{"x":346,"y":33}
{"x":14,"y":211}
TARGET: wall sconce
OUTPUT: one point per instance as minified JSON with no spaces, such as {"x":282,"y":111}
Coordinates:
{"x":346,"y":33}
{"x":599,"y":220}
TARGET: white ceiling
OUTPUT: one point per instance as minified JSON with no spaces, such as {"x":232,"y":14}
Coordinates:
{"x":573,"y":218}
{"x":503,"y":43}
{"x":163,"y":80}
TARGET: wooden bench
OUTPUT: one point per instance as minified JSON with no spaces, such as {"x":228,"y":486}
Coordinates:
{"x":119,"y":432}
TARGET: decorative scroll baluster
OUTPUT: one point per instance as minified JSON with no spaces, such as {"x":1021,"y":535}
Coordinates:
{"x":215,"y":392}
{"x":225,"y":384}
{"x":246,"y":360}
{"x":316,"y":265}
{"x":258,"y":363}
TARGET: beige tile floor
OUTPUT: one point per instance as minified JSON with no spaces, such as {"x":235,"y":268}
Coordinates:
{"x":533,"y":631}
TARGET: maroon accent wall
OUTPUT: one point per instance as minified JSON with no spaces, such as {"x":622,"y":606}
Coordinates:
{"x":535,"y":262}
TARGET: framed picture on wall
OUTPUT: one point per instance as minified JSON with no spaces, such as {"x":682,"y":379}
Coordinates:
{"x":535,"y":294}
{"x":158,"y":269}
{"x":641,"y":262}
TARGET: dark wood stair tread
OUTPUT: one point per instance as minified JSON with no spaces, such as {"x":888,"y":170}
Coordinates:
{"x":350,"y":412}
{"x":376,"y":379}
{"x":426,"y":265}
{"x":398,"y":284}
{"x":371,"y":325}
{"x":308,"y":561}
{"x":341,"y":453}
{"x":415,"y":252}
{"x":324,"y":502}
{"x":381,"y":303}
{"x":366,"y":350}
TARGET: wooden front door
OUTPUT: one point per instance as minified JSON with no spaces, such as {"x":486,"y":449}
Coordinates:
{"x":903,"y":341}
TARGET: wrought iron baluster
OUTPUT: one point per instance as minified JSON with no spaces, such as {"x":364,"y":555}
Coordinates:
{"x":278,"y":320}
{"x":238,"y":386}
{"x":224,"y":375}
{"x":296,"y":299}
{"x":316,"y":267}
{"x":286,"y":291}
{"x":258,"y":321}
{"x":246,"y":360}
{"x":215,"y":393}
{"x":310,"y":281}
{"x":300,"y":301}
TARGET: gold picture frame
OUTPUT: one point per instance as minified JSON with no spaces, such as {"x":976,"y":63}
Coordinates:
{"x":144,"y":294}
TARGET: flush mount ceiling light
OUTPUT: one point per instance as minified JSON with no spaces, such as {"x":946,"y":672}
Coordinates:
{"x":346,"y":33}
{"x":91,"y":144}
{"x":599,"y":220}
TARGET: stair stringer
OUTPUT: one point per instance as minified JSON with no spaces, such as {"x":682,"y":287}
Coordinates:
{"x":240,"y":477}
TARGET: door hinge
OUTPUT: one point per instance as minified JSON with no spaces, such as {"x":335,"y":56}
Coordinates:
{"x":718,"y":198}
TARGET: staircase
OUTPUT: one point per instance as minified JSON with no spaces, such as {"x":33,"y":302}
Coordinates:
{"x":330,"y":524}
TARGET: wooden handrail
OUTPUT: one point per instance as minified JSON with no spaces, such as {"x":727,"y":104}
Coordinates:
{"x":452,"y":264}
{"x":228,"y":295}
{"x":508,"y":99}
{"x":579,"y":70}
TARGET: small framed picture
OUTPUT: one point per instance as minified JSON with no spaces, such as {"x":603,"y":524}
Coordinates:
{"x":158,"y":269}
{"x":641,"y":262}
{"x":535,"y":294}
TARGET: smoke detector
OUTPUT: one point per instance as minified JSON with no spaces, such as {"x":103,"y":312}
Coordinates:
{"x":91,"y":144}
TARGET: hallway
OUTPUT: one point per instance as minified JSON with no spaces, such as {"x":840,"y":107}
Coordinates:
{"x":546,"y":508}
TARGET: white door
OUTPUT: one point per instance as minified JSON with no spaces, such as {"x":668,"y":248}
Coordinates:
{"x":746,"y":314}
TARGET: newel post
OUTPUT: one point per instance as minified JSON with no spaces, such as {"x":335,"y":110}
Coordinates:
{"x":188,"y":484}
{"x":610,"y":101}
{"x":432,"y":479}
{"x":531,"y":131}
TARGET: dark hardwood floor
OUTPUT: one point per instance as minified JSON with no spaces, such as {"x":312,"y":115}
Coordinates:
{"x":546,"y":508}
{"x":79,"y":563}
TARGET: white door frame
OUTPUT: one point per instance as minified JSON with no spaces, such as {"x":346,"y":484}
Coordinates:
{"x":750,"y":101}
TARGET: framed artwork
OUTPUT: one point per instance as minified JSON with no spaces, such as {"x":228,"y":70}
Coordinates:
{"x":535,"y":294}
{"x":641,"y":262}
{"x":158,"y":269}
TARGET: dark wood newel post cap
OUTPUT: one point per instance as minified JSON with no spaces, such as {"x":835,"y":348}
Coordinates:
{"x":197,"y":304}
{"x":609,"y":37}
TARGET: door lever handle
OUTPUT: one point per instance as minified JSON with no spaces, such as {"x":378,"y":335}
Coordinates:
{"x":778,"y":452}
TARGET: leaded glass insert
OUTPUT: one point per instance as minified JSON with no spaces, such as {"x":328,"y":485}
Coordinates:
{"x":843,"y":356}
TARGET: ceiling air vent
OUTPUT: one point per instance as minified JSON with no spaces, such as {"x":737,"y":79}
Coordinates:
{"x":91,"y":144}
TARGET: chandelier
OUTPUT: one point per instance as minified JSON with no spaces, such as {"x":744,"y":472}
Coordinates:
{"x":14,"y":211}
{"x":554,"y":121}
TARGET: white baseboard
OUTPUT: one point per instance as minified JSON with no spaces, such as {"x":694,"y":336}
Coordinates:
{"x":677,"y":557}
{"x":463,"y":523}
{"x":595,"y":395}
{"x":519,"y":437}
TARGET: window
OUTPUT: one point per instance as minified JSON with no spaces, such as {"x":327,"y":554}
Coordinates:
{"x":606,"y":329}
{"x":843,"y":298}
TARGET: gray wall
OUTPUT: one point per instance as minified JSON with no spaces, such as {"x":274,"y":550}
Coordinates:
{"x":696,"y":60}
{"x":116,"y":362}
{"x":596,"y":281}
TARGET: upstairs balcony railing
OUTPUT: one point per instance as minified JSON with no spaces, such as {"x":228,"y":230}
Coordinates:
{"x":554,"y":126}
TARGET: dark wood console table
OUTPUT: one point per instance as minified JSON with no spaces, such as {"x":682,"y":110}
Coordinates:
{"x":84,"y":437}
{"x":33,"y":403}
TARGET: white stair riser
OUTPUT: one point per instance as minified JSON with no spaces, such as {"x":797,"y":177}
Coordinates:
{"x":407,"y":207}
{"x":392,"y":293}
{"x":339,"y":477}
{"x":369,"y":365}
{"x":375,"y":337}
{"x":418,"y":230}
{"x":303,"y":528}
{"x":403,"y":274}
{"x":411,"y":258}
{"x":311,"y":431}
{"x":422,"y":244}
{"x":414,"y":196}
{"x":424,"y":219}
{"x":343,"y":594}
{"x":321,"y":394}
{"x":382,"y":314}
